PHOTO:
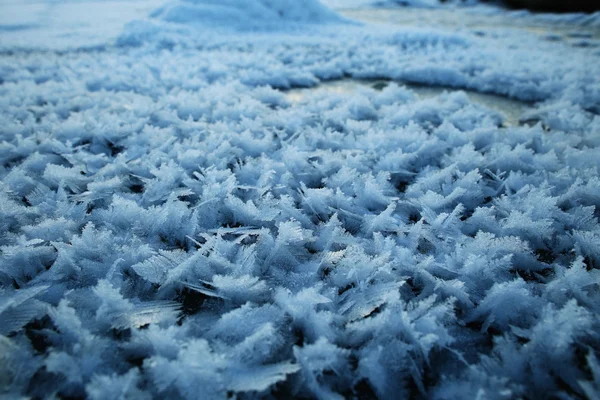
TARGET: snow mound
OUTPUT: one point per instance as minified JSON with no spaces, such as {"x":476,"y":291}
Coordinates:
{"x":179,"y":21}
{"x":242,"y":14}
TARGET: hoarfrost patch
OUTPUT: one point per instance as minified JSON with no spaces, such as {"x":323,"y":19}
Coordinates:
{"x":173,"y":226}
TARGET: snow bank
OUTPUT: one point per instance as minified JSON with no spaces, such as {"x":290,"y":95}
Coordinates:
{"x":186,"y":21}
{"x":241,"y":14}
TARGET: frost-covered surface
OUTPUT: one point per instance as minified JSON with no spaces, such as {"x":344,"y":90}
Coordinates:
{"x":174,"y":227}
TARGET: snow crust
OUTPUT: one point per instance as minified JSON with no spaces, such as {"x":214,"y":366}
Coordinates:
{"x":173,"y":226}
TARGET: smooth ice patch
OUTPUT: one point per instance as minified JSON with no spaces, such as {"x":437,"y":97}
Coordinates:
{"x":61,"y":25}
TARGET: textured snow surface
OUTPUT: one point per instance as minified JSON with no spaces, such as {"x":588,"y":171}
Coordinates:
{"x":173,"y":225}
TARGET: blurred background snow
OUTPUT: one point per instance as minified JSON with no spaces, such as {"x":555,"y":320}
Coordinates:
{"x":54,"y":24}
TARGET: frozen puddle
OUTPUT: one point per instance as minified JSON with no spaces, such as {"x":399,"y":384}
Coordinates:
{"x":510,"y":109}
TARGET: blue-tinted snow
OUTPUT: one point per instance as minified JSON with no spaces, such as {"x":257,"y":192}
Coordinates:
{"x":174,"y":225}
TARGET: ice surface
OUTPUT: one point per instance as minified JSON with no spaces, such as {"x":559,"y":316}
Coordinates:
{"x":198,"y":207}
{"x":43,"y":24}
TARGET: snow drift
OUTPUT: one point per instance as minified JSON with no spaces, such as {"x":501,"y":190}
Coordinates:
{"x":205,"y":20}
{"x":240,"y":14}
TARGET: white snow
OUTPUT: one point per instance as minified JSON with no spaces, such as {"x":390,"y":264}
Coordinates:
{"x":205,"y":199}
{"x":244,"y":14}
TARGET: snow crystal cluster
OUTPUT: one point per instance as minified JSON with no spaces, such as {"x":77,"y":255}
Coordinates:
{"x":173,"y":226}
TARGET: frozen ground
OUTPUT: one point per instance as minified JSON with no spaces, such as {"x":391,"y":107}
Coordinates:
{"x":269,"y":199}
